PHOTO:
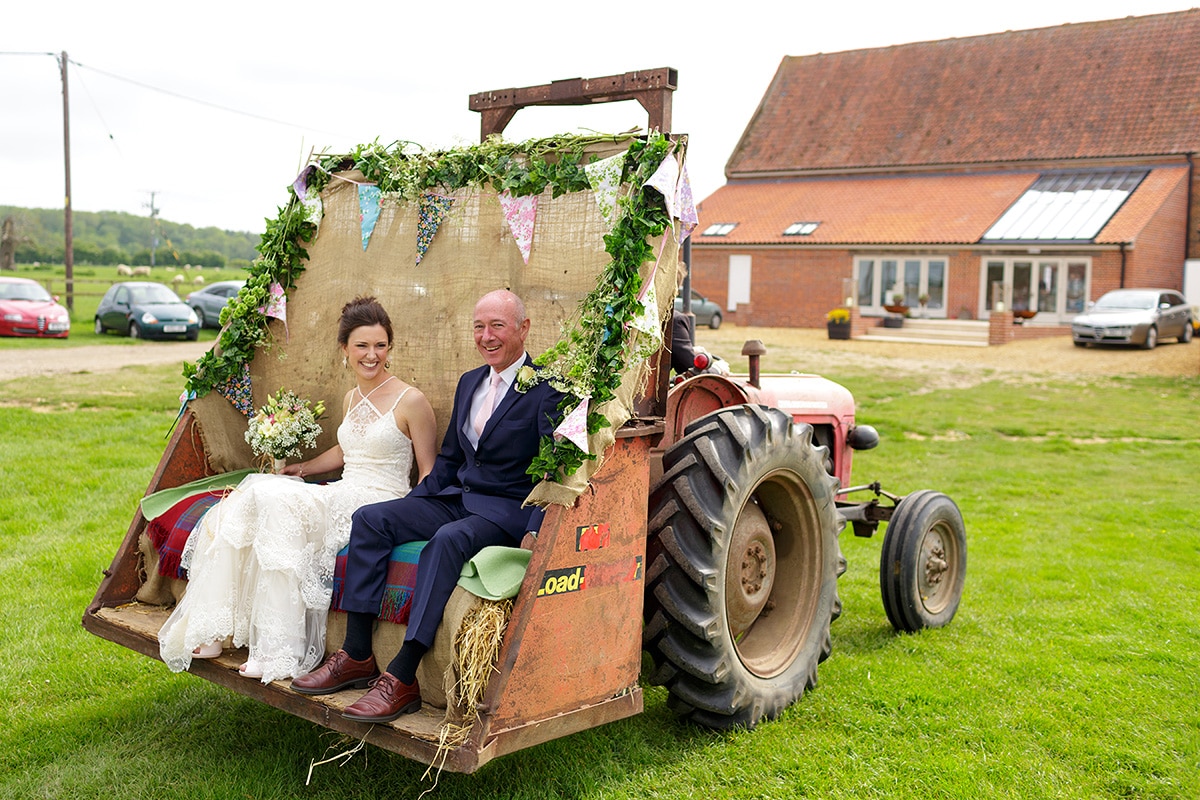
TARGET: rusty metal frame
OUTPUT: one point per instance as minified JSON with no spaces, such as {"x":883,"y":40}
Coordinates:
{"x":652,"y":88}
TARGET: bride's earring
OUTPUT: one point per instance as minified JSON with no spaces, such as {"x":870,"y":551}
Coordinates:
{"x":344,"y":364}
{"x":387,"y":364}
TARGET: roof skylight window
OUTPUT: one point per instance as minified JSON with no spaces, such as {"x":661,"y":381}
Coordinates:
{"x":801,"y":229}
{"x":719,"y":229}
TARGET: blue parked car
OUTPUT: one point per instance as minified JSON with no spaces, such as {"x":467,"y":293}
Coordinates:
{"x":146,"y":310}
{"x":706,"y":311}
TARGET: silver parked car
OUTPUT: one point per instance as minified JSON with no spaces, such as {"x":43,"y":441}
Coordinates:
{"x":208,"y":302}
{"x":1134,"y":316}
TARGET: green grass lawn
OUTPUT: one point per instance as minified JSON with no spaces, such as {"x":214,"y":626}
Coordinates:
{"x":1069,"y":672}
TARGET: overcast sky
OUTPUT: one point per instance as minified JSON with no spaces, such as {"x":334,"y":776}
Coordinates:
{"x":214,"y":106}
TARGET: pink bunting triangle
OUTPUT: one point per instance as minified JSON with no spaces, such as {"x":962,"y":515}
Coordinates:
{"x":520,"y":214}
{"x":574,"y":425}
{"x":431,"y":210}
{"x":276,"y":305}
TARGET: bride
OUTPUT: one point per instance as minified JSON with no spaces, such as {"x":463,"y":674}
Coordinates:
{"x":260,"y":563}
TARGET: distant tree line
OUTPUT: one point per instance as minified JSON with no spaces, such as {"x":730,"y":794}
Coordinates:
{"x":35,"y":235}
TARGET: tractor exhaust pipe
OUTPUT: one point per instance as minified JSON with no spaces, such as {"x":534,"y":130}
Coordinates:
{"x":755,"y":349}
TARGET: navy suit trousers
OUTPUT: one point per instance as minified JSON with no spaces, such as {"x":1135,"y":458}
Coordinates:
{"x":454,"y":534}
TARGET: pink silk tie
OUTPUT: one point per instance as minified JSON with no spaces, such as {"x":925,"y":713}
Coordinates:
{"x":485,"y":410}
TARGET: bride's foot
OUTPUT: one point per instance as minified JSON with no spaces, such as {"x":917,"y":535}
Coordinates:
{"x":251,"y":669}
{"x":210,"y":650}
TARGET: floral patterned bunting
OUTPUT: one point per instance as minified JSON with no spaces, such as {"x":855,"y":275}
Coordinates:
{"x":520,"y":214}
{"x":688,"y":217}
{"x":300,"y":185}
{"x":237,"y":390}
{"x":647,"y":323}
{"x":574,"y":426}
{"x":605,"y":179}
{"x":314,"y":211}
{"x":430,"y":213}
{"x":665,"y":181}
{"x":368,"y":206}
{"x":276,"y":305}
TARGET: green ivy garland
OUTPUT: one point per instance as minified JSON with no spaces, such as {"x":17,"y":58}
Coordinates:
{"x":587,"y":362}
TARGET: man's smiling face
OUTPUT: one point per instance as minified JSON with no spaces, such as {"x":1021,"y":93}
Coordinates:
{"x":500,"y":329}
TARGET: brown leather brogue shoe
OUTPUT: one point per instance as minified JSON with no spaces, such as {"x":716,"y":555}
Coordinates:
{"x":339,"y":671}
{"x":388,"y":699}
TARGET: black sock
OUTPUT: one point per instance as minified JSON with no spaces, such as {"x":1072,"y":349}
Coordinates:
{"x":359,"y":626}
{"x":404,"y":665}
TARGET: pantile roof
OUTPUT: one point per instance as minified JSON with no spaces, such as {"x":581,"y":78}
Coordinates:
{"x":1121,"y":87}
{"x":901,"y":210}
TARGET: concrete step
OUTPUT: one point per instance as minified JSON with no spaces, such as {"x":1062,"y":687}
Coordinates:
{"x":966,"y":333}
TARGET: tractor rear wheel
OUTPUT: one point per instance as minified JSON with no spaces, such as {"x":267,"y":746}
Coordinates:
{"x":743,"y":565}
{"x":923,"y":562}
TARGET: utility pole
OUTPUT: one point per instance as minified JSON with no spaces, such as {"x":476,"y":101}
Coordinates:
{"x":153,"y":227}
{"x":68,"y":219}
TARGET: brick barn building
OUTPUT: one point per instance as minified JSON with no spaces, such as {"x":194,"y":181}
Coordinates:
{"x":1043,"y":166}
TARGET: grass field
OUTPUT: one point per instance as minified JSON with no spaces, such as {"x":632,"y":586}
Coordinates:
{"x":1069,"y":672}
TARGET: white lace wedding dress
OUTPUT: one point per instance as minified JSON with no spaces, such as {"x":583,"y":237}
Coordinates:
{"x":260,"y":563}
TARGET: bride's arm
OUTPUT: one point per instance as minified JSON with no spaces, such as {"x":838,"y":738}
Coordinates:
{"x":414,"y":415}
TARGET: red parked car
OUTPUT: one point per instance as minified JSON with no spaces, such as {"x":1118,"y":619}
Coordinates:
{"x":27,"y":309}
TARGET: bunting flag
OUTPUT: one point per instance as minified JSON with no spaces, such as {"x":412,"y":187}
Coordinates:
{"x":185,"y":397}
{"x":574,"y":426}
{"x":430,"y":212}
{"x":368,"y":206}
{"x":276,"y":305}
{"x":520,"y":214}
{"x":314,"y":211}
{"x":237,"y":391}
{"x":647,"y":323}
{"x":688,"y":217}
{"x":605,"y":179}
{"x":665,"y":181}
{"x":300,"y":185}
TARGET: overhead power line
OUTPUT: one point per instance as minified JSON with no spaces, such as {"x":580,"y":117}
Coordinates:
{"x":197,"y":100}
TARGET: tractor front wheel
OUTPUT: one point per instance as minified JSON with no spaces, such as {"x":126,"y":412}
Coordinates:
{"x":744,"y":562}
{"x":923,"y":562}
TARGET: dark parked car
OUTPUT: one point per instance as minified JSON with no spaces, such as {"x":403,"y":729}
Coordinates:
{"x":707,"y":312}
{"x":27,"y":309}
{"x":146,"y":310}
{"x":208,"y":302}
{"x":1134,"y":316}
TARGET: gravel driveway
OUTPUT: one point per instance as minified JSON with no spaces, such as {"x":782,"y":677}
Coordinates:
{"x":805,"y":349}
{"x":31,"y":361}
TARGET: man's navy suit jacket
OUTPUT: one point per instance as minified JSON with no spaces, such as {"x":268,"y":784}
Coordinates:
{"x":492,"y":479}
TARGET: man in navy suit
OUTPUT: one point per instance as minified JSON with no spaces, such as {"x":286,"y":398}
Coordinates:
{"x":470,"y":500}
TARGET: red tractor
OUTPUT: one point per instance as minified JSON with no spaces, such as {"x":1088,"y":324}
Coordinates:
{"x":706,"y":536}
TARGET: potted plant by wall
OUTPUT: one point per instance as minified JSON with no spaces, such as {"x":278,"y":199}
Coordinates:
{"x":837,"y":323}
{"x":897,"y":306}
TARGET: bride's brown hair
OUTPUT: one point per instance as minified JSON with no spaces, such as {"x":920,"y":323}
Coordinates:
{"x":362,"y":312}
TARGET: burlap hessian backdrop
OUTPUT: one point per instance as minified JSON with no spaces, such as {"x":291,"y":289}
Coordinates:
{"x":431,"y":304}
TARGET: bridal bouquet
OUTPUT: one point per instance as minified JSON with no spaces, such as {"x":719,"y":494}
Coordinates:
{"x":284,"y":426}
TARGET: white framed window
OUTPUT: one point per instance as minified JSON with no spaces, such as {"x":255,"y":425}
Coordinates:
{"x":1053,"y":288}
{"x":918,"y":282}
{"x":719,"y":229}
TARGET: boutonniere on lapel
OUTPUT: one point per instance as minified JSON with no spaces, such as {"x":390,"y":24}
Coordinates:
{"x":526,"y":377}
